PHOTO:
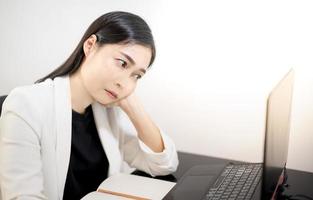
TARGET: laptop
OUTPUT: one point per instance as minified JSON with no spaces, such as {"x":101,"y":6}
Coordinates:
{"x":248,"y":180}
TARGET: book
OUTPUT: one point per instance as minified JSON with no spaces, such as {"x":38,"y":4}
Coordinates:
{"x":127,"y":186}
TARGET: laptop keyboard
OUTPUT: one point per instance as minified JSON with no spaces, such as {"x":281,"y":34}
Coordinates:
{"x":235,"y":182}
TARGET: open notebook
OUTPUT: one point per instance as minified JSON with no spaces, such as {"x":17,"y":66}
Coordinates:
{"x":128,"y":186}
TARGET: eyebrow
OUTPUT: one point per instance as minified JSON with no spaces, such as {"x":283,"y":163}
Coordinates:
{"x":132,"y":61}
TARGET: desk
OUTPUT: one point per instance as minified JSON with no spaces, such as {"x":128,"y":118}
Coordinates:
{"x":299,"y":182}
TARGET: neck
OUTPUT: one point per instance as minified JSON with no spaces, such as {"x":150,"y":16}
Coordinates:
{"x":80,"y":97}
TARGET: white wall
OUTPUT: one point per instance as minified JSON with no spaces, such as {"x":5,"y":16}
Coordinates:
{"x":216,"y":63}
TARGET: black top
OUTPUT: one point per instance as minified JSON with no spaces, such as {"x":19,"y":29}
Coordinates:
{"x":88,"y":165}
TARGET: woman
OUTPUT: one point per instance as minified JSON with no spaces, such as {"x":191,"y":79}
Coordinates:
{"x":61,"y":137}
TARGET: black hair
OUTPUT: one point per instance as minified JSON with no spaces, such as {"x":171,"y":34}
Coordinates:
{"x":110,"y":28}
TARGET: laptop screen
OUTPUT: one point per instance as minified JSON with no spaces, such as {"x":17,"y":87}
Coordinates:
{"x":277,"y":133}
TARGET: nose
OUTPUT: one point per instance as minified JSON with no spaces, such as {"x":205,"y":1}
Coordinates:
{"x":124,"y":84}
{"x":118,"y":85}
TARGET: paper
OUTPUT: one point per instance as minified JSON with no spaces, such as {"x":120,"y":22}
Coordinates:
{"x":102,"y":196}
{"x":131,"y":185}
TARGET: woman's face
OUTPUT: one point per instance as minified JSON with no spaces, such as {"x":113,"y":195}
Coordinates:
{"x":111,"y":72}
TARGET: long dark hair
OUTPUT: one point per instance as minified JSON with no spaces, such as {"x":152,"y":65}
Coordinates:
{"x":110,"y":28}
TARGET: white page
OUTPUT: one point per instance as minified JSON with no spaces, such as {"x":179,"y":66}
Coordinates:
{"x":102,"y":196}
{"x":137,"y":186}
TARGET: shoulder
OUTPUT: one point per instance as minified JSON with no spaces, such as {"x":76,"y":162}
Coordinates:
{"x":33,"y":88}
{"x":30,"y":101}
{"x":30,"y":94}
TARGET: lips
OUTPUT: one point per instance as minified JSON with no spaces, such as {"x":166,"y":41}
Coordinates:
{"x":113,"y":94}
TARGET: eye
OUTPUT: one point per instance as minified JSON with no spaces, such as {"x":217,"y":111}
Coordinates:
{"x":138,"y":76}
{"x":122,"y":63}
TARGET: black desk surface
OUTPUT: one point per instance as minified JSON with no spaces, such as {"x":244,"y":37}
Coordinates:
{"x":299,"y":182}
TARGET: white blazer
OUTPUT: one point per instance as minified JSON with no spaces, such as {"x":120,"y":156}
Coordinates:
{"x":35,"y":141}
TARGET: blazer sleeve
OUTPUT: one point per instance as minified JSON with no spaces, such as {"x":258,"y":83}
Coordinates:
{"x":20,"y":158}
{"x":138,"y":155}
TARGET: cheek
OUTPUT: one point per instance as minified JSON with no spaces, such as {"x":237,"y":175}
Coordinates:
{"x":91,"y":78}
{"x":100,"y":74}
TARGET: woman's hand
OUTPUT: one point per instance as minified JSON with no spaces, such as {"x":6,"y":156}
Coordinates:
{"x":147,"y":131}
{"x":128,"y":103}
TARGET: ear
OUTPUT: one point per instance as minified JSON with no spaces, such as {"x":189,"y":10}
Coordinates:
{"x":90,"y":44}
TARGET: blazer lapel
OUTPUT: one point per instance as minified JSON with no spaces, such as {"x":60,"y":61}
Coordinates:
{"x":109,"y":141}
{"x":63,"y":118}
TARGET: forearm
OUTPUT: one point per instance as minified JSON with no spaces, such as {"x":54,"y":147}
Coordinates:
{"x":147,"y":131}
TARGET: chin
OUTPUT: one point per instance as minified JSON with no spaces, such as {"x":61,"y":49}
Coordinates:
{"x":106,"y":103}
